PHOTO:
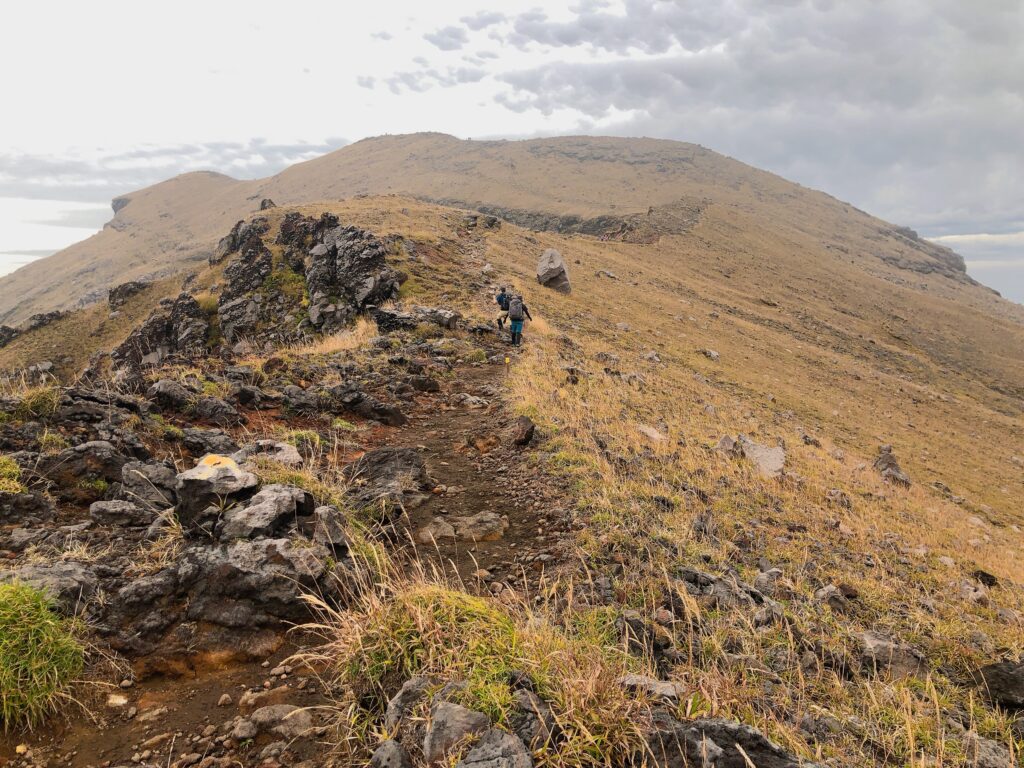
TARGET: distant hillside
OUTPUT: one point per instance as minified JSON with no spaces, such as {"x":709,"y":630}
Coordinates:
{"x":632,"y":189}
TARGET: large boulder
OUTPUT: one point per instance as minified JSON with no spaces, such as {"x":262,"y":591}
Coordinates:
{"x":267,"y":513}
{"x":214,"y":482}
{"x":120,"y":294}
{"x":389,"y":478}
{"x":1003,"y":682}
{"x":120,"y":514}
{"x":362,"y":404}
{"x":83,"y":473}
{"x":70,"y":585}
{"x":552,"y":272}
{"x":149,"y":485}
{"x":169,"y":394}
{"x":243,"y":587}
{"x":450,"y":724}
{"x":497,"y":749}
{"x":216,"y":411}
{"x":770,"y":460}
{"x":881,"y":653}
{"x":200,"y":442}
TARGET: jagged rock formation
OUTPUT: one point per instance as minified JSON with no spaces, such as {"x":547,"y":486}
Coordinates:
{"x":119,"y":294}
{"x":345,"y":268}
{"x":240,"y":235}
{"x":328,"y":275}
{"x":178,"y":327}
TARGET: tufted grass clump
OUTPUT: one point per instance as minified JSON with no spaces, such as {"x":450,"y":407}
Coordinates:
{"x":39,"y":657}
{"x":326,"y":486}
{"x":10,"y":476}
{"x":38,"y":402}
{"x":424,"y":627}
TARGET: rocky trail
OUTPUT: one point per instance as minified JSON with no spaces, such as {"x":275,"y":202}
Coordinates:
{"x":490,"y":519}
{"x":475,"y":512}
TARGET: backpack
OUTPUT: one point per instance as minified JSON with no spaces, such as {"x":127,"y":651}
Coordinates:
{"x":515,"y":308}
{"x":503,"y":299}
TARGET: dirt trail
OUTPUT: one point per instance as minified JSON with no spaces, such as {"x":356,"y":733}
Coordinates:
{"x":161,"y":717}
{"x":469,"y":452}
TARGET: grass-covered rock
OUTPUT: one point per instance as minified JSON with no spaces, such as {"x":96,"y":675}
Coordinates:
{"x":39,"y":656}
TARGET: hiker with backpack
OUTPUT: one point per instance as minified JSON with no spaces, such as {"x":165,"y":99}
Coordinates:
{"x":503,"y":298}
{"x":517,"y":314}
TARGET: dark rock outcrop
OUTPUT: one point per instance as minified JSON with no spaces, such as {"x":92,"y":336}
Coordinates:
{"x":1003,"y":683}
{"x":240,"y":234}
{"x":389,"y":478}
{"x":7,"y":335}
{"x":346,"y":272}
{"x":362,"y":404}
{"x":178,"y":327}
{"x":69,"y":584}
{"x":83,"y":473}
{"x":120,"y":294}
{"x":241,"y":308}
{"x":889,"y":468}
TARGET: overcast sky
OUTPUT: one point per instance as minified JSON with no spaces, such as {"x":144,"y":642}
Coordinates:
{"x":910,"y":109}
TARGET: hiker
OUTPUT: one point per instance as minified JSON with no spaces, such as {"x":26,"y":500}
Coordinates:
{"x":503,"y":298}
{"x":517,"y":312}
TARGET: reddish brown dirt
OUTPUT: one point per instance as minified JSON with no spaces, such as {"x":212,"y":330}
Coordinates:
{"x":95,"y":734}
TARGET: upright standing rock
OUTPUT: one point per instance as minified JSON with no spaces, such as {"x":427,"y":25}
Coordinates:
{"x":552,"y":272}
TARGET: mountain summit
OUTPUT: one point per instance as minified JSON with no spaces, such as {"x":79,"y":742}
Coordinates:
{"x":567,"y":184}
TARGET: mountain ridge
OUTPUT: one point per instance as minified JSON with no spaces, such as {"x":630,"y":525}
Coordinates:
{"x":173,"y":226}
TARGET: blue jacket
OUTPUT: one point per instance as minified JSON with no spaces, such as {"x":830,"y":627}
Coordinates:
{"x":503,"y":300}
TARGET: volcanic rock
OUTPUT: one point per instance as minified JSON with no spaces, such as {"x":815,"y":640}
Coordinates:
{"x":552,"y":271}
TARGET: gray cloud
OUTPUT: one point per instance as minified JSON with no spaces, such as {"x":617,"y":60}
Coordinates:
{"x":913,"y":110}
{"x":483,"y":19}
{"x":448,"y":38}
{"x":98,"y":179}
{"x":424,"y":79}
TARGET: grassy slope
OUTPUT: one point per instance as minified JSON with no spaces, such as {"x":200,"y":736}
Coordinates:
{"x":853,"y":359}
{"x":177,"y":222}
{"x":70,"y":341}
{"x":821,"y":362}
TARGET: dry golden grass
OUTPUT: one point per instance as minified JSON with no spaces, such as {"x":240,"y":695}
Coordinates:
{"x":343,"y":341}
{"x":852,"y":352}
{"x":775,"y":380}
{"x":406,"y":625}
